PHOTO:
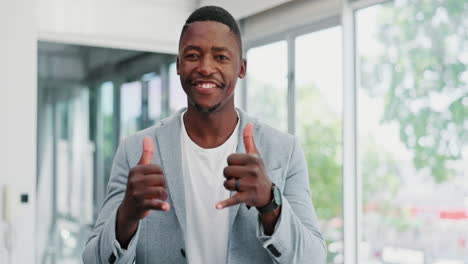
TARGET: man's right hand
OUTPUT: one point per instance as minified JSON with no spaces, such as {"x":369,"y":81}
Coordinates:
{"x":146,"y":191}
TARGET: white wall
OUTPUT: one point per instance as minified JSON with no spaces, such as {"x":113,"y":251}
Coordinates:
{"x":18,"y":122}
{"x":149,"y":25}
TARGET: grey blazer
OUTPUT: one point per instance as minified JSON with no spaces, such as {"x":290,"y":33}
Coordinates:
{"x":160,"y":236}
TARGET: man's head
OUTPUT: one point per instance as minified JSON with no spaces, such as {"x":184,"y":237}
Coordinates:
{"x":210,"y":58}
{"x":215,"y":14}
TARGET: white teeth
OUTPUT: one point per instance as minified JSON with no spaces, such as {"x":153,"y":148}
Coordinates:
{"x":206,"y":85}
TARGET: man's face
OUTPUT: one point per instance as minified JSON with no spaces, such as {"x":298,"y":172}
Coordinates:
{"x":209,"y":64}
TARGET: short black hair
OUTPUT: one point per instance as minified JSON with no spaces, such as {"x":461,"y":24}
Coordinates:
{"x":217,"y":14}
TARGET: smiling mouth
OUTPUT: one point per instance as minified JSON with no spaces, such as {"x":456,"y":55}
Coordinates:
{"x":205,"y":85}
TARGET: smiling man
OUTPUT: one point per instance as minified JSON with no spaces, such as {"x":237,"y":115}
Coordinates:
{"x":209,"y":184}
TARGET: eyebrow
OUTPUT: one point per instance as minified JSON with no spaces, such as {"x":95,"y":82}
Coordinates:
{"x":197,"y":48}
{"x":220,"y":49}
{"x":192,"y":47}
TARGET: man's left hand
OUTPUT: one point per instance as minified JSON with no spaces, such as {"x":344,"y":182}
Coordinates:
{"x":254,"y":186}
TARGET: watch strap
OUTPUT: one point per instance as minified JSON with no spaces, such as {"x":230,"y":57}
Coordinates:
{"x":270,"y":206}
{"x":267,"y":208}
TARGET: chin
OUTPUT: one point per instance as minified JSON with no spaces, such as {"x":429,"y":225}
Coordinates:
{"x":207,"y":109}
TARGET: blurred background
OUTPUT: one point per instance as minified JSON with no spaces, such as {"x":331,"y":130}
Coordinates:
{"x":376,"y":91}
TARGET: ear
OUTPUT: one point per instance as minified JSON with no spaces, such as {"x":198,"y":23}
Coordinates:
{"x":243,"y":68}
{"x":177,"y":65}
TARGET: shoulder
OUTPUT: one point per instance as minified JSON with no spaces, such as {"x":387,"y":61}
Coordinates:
{"x":280,"y":151}
{"x":275,"y":146}
{"x":134,"y":141}
{"x":265,"y":133}
{"x":273,"y":136}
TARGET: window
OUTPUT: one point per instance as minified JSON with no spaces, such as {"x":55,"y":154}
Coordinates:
{"x":177,"y":97}
{"x":106,"y":128}
{"x":154,"y":100}
{"x":131,"y":106}
{"x":319,"y":127}
{"x":80,"y":121}
{"x":65,"y":171}
{"x":267,"y":82}
{"x":412,"y":123}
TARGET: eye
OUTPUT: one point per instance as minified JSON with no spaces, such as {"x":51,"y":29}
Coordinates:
{"x":222,"y":58}
{"x":191,"y":56}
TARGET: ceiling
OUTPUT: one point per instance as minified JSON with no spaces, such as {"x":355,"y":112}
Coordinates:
{"x":243,"y":8}
{"x":239,"y":9}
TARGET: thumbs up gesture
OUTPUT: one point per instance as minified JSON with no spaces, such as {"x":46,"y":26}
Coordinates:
{"x":245,"y":174}
{"x":146,"y":191}
{"x":146,"y":188}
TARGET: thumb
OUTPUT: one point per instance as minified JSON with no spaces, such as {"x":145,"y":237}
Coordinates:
{"x":249,"y":144}
{"x":148,"y":149}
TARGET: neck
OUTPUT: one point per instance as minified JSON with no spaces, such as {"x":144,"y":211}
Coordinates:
{"x":210,"y":130}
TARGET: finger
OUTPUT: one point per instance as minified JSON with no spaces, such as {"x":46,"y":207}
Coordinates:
{"x":249,"y":144}
{"x":243,"y":185}
{"x":231,"y":185}
{"x":152,"y":192}
{"x":148,"y":150}
{"x":156,"y":205}
{"x":241,"y":159}
{"x":233,"y":200}
{"x":236,"y":171}
{"x":150,"y":180}
{"x":147,"y":169}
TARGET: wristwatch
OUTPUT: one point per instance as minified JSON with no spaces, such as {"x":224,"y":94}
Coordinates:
{"x":275,"y":200}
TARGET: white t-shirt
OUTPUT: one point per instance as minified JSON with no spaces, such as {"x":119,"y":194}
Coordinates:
{"x":207,"y":231}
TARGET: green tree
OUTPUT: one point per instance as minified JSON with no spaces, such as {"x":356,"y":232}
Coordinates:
{"x":268,"y":101}
{"x":319,"y":130}
{"x":423,"y":78}
{"x":380,"y":174}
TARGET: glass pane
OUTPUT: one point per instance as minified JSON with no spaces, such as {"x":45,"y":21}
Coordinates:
{"x":238,"y":94}
{"x":131,"y":104}
{"x":77,"y":135}
{"x":412,"y":131}
{"x":177,"y":97}
{"x":106,"y":139}
{"x":267,"y":84}
{"x":65,"y":174}
{"x":319,"y":107}
{"x":154,"y":100}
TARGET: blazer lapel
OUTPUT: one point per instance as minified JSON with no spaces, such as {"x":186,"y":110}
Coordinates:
{"x":243,"y":119}
{"x":168,"y":137}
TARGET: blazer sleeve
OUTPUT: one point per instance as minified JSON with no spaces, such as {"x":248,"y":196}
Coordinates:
{"x":296,"y":237}
{"x":102,"y":246}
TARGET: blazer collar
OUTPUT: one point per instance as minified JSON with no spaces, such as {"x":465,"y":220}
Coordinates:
{"x":168,"y":140}
{"x":244,"y":119}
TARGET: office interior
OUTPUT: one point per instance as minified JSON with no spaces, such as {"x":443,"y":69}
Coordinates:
{"x":376,"y":91}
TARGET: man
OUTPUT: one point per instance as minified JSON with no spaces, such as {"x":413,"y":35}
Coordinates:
{"x":192,"y":189}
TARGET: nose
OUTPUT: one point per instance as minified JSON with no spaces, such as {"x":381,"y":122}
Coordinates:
{"x":206,"y":67}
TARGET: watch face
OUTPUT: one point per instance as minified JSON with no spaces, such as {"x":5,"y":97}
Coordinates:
{"x":277,"y":195}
